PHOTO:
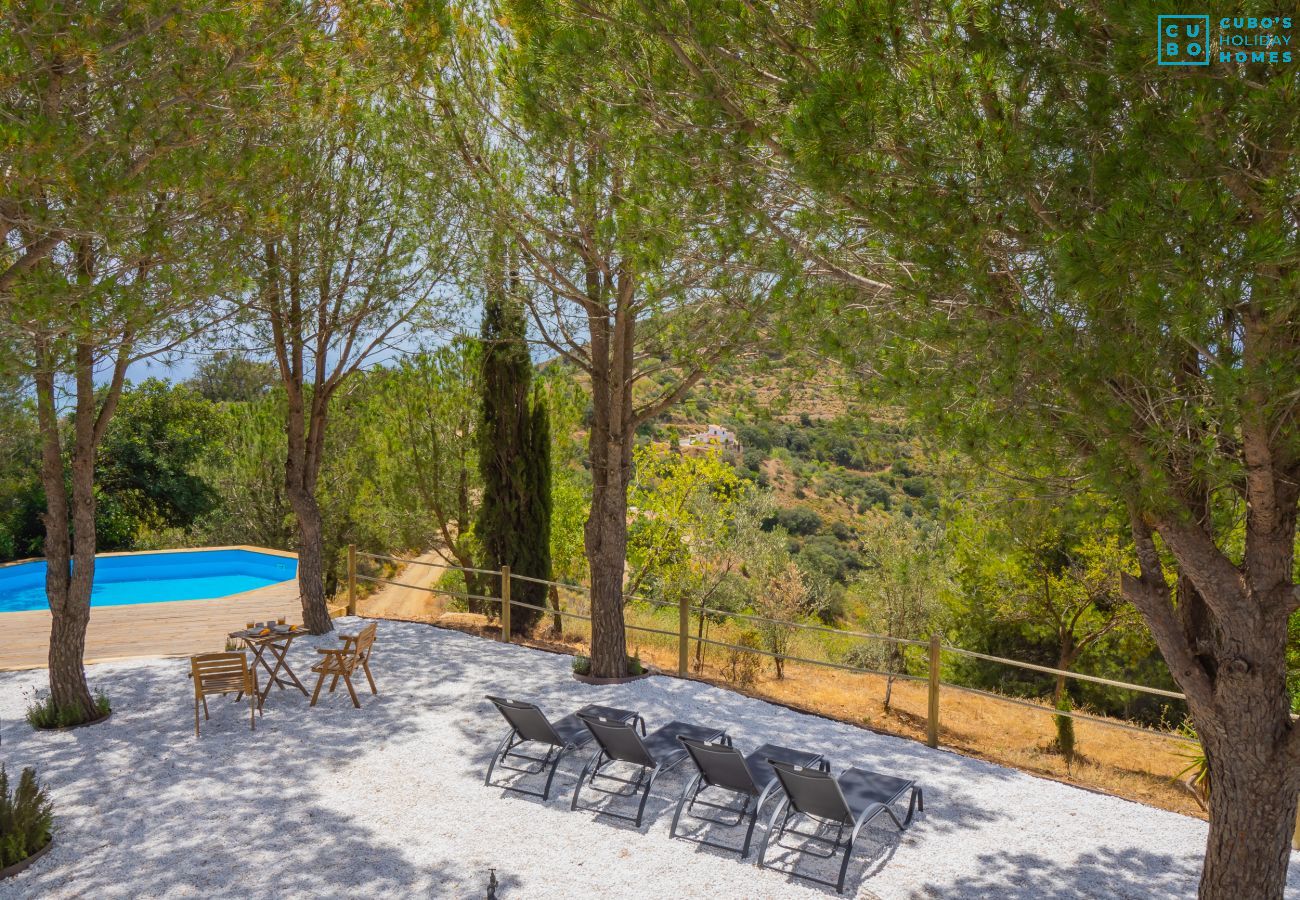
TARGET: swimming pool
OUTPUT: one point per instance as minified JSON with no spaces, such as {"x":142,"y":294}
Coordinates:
{"x":154,"y":577}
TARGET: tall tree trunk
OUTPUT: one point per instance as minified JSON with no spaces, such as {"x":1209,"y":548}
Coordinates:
{"x":69,"y":610}
{"x":610,"y":453}
{"x":70,"y":521}
{"x":68,"y":640}
{"x":606,"y":544}
{"x":301,"y":467}
{"x":311,"y":562}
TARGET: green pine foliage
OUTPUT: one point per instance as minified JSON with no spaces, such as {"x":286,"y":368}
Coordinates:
{"x":26,"y":817}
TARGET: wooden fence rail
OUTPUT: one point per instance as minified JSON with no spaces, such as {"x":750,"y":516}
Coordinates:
{"x":934,"y":661}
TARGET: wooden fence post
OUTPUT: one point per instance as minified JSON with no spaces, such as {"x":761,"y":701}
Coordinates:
{"x":932,"y":717}
{"x":505,"y":603}
{"x":352,"y":579}
{"x":1295,"y":835}
{"x":683,"y":630}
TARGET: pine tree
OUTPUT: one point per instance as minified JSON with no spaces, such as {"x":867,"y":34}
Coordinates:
{"x":514,"y":520}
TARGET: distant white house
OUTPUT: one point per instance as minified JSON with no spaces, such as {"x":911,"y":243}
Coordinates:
{"x":715,"y":436}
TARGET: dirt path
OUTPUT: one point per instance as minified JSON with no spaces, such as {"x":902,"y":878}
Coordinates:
{"x":391,"y":601}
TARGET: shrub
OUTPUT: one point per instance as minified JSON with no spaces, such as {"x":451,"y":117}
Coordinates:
{"x":26,"y":818}
{"x":902,"y":468}
{"x":582,"y":664}
{"x":915,"y":486}
{"x":44,"y":713}
{"x":875,"y":493}
{"x":799,"y":520}
{"x":1196,"y":774}
{"x":452,"y":583}
{"x":742,"y":666}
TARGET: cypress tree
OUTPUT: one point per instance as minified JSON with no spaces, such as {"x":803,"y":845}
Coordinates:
{"x":514,"y":520}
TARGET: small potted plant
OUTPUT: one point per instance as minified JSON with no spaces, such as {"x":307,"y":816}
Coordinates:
{"x":26,"y":822}
{"x":635,"y":670}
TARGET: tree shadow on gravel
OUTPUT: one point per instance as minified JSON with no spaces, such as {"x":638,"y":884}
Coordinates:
{"x":143,"y":809}
{"x":232,"y":813}
{"x":1116,"y":875}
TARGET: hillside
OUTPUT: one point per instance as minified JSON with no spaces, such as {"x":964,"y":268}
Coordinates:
{"x":832,"y":459}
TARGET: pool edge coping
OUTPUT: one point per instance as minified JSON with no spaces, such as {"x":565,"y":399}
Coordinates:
{"x":249,"y":547}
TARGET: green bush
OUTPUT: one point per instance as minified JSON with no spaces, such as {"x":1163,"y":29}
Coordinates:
{"x":582,"y":664}
{"x":915,"y":486}
{"x":743,"y":666}
{"x":44,"y":713}
{"x":453,"y":582}
{"x":1197,"y":771}
{"x":26,"y":818}
{"x":798,"y":520}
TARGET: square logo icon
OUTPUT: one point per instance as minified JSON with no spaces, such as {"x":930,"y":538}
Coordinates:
{"x":1183,"y":40}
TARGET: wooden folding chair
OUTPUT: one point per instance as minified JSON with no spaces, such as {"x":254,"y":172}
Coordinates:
{"x":223,"y":673}
{"x":343,"y":662}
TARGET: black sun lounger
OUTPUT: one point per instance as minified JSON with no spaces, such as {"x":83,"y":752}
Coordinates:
{"x":528,"y":723}
{"x":852,"y":800}
{"x":656,"y":754}
{"x":750,"y":777}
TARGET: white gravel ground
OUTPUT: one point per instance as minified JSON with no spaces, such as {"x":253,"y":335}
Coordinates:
{"x":388,"y":801}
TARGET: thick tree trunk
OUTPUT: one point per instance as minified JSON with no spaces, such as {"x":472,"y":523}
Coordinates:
{"x":302,"y":462}
{"x":68,"y":592}
{"x":311,"y":562}
{"x":70,"y":523}
{"x":1252,"y":807}
{"x":1234,"y":676}
{"x":68,"y":635}
{"x":610,"y":454}
{"x":606,"y":542}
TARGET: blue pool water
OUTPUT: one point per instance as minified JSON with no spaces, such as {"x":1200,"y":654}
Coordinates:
{"x":154,"y":578}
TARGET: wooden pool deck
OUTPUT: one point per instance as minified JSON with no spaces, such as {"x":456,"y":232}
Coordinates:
{"x":178,"y":628}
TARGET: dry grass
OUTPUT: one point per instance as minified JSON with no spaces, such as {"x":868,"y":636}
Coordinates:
{"x":1137,"y":767}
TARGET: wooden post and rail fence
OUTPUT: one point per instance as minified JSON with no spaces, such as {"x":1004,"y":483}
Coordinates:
{"x":934,"y":646}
